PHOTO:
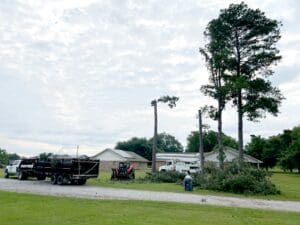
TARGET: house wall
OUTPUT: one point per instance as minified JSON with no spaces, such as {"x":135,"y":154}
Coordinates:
{"x":106,"y":166}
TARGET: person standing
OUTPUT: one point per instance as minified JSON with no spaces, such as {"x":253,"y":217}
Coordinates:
{"x":188,"y":182}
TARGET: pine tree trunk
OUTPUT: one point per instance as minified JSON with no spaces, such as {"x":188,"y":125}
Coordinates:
{"x":154,"y":146}
{"x":240,"y":126}
{"x":201,"y":151}
{"x":220,"y":138}
{"x":239,"y":99}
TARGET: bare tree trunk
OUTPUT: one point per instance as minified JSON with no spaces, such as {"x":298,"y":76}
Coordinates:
{"x":220,"y":137}
{"x":154,"y":146}
{"x":240,"y":126}
{"x":201,"y":151}
{"x":239,"y":99}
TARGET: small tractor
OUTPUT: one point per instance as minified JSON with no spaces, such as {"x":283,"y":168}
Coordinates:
{"x":124,"y":172}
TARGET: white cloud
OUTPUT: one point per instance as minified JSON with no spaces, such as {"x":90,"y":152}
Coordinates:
{"x":84,"y":72}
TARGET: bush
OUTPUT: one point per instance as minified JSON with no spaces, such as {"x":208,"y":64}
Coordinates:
{"x":164,"y":176}
{"x":236,"y":179}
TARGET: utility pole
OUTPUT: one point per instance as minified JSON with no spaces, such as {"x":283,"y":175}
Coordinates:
{"x":154,"y":146}
{"x":201,"y":151}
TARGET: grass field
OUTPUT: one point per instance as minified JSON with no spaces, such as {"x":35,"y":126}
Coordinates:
{"x":24,"y":209}
{"x":288,"y":184}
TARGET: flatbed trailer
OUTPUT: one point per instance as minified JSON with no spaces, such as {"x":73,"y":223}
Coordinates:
{"x":59,"y":170}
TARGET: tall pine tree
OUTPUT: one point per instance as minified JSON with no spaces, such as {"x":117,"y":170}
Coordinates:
{"x":249,"y":40}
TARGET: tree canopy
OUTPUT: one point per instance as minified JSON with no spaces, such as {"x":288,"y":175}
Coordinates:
{"x":140,"y":146}
{"x":168,"y":143}
{"x":282,"y":149}
{"x":210,"y":140}
{"x":6,"y":157}
{"x":247,"y":41}
{"x":143,"y":146}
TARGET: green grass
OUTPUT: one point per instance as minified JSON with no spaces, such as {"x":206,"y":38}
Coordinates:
{"x":25,"y":209}
{"x":288,"y":184}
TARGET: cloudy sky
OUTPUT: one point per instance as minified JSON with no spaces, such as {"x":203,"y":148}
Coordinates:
{"x":76,"y":72}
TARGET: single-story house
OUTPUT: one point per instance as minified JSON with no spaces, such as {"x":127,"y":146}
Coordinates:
{"x":194,"y":157}
{"x":230,"y":155}
{"x":110,"y":158}
{"x":161,"y":158}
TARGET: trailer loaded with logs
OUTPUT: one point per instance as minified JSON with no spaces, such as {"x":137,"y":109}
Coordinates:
{"x":60,"y":170}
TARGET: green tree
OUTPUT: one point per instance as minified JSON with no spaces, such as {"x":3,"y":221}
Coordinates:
{"x":271,"y":152}
{"x":143,"y":146}
{"x":3,"y":157}
{"x":290,"y":157}
{"x":167,"y":143}
{"x":217,"y":88}
{"x":210,"y":141}
{"x":140,"y":146}
{"x":13,"y":156}
{"x":45,"y":155}
{"x":256,"y":146}
{"x":250,"y":51}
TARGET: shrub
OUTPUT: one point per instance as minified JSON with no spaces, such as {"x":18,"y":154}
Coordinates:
{"x":164,"y":176}
{"x":236,"y":179}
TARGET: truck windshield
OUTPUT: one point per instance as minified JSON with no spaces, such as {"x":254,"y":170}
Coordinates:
{"x":16,"y":162}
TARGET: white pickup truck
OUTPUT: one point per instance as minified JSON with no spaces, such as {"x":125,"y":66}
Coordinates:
{"x":12,"y":169}
{"x":180,"y":166}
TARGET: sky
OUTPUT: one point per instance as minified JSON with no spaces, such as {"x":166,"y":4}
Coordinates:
{"x":84,"y":73}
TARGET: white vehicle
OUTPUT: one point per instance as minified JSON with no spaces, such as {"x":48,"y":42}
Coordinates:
{"x":180,"y":166}
{"x":12,"y":169}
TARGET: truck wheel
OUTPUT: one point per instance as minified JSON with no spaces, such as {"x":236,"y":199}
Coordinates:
{"x":20,"y":175}
{"x":82,"y":181}
{"x":6,"y":175}
{"x":60,"y":180}
{"x":53,"y":179}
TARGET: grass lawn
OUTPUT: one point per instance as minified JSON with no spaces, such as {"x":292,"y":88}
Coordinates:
{"x":289,"y":185}
{"x":25,"y":209}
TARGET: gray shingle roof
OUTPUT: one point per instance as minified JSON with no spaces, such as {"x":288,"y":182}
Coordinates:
{"x":127,"y":155}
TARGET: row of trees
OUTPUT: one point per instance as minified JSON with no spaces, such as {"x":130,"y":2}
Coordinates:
{"x":210,"y":140}
{"x":240,"y":50}
{"x":5,"y":157}
{"x":168,"y":143}
{"x":143,"y":146}
{"x":282,"y":150}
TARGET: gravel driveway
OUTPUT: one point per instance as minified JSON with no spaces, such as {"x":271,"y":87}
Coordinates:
{"x":93,"y":192}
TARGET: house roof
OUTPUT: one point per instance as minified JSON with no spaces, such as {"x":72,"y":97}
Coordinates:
{"x":126,"y":155}
{"x":178,"y":156}
{"x":247,"y":158}
{"x":191,"y":157}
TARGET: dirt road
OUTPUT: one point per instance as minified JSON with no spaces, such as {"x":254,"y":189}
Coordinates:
{"x":94,"y":192}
